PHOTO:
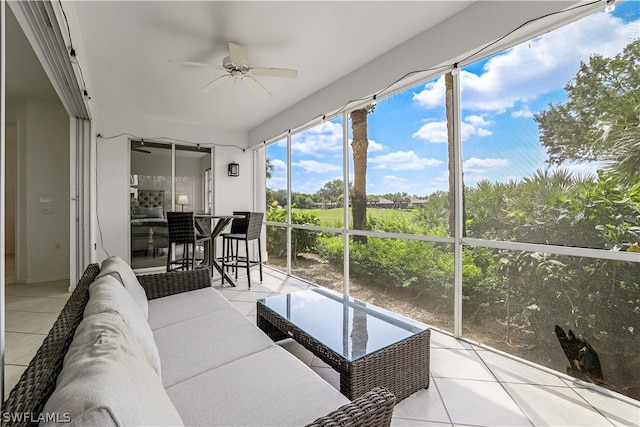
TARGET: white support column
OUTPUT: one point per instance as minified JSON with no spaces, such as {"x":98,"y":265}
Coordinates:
{"x":459,"y":205}
{"x":289,"y":236}
{"x":345,"y":210}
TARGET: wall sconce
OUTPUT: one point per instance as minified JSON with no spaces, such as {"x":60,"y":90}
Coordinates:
{"x":183,"y":200}
{"x":234,"y":169}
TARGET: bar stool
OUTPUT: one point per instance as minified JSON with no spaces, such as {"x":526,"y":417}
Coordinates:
{"x":182,"y":230}
{"x":246,"y":229}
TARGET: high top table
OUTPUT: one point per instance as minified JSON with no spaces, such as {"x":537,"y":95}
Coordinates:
{"x":367,"y":345}
{"x":203,"y":226}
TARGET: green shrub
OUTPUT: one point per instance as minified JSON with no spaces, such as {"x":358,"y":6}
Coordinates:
{"x":301,"y":240}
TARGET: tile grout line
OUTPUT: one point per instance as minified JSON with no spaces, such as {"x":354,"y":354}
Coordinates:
{"x":526,"y":416}
{"x":446,"y":410}
{"x":566,"y":386}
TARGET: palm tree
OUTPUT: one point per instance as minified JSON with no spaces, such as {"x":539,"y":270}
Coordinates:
{"x":360,"y":145}
{"x":448,"y":84}
{"x":269,"y":168}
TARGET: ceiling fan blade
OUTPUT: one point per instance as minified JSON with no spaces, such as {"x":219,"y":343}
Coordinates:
{"x":215,"y":83}
{"x":275,"y":72}
{"x":255,"y":85}
{"x":236,"y":52}
{"x":195,"y":64}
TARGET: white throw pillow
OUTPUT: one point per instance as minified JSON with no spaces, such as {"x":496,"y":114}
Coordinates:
{"x":119,"y":269}
{"x":106,"y":380}
{"x":107,"y":295}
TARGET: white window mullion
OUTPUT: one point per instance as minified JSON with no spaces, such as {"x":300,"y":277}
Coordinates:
{"x":345,"y":203}
{"x":289,"y":213}
{"x":459,"y":205}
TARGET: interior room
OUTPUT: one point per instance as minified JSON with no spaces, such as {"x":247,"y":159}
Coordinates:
{"x":461,"y":172}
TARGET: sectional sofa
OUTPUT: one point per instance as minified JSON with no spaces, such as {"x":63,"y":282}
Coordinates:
{"x":168,"y":349}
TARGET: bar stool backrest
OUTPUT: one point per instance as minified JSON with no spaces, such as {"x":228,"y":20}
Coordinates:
{"x":182,"y":227}
{"x":254,"y":226}
{"x":239,"y":225}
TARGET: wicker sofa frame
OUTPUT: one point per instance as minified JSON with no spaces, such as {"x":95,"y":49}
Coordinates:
{"x":24,"y":405}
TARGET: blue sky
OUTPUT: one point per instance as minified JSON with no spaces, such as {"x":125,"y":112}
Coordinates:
{"x":500,"y":95}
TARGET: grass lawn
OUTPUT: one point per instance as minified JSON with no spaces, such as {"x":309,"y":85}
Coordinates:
{"x":333,"y":217}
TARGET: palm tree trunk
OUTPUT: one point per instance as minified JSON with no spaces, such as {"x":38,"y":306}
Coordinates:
{"x":448,"y":84}
{"x":360,"y":145}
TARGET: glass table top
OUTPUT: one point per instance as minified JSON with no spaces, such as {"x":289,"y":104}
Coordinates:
{"x":347,"y":326}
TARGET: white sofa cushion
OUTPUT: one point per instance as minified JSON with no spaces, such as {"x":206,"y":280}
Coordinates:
{"x":119,"y":269}
{"x":172,"y":309}
{"x":107,"y":295}
{"x":268,"y":388}
{"x":194,"y":346}
{"x":106,"y":379}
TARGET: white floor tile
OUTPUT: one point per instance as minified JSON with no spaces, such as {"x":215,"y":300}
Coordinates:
{"x":58,"y":289}
{"x":510,"y":370}
{"x":441,"y":340}
{"x":424,"y":405}
{"x":19,"y":346}
{"x":479,"y":403}
{"x":555,"y":406}
{"x":29,"y":322}
{"x":250,"y":296}
{"x":12,"y":375}
{"x":34,"y":304}
{"x":463,"y":364}
{"x":403,"y":422}
{"x":304,"y":355}
{"x":620,"y":413}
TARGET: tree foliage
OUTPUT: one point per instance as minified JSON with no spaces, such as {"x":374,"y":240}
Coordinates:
{"x":331,"y":191}
{"x":601,"y":118}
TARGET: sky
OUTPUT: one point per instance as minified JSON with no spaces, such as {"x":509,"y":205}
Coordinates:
{"x":500,"y":95}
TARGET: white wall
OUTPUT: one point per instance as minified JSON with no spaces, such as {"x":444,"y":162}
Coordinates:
{"x":42,"y":228}
{"x":113,"y":163}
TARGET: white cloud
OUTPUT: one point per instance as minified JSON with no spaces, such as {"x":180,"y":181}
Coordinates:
{"x":278,"y":164}
{"x":475,"y":164}
{"x":320,"y":141}
{"x":375,"y":146}
{"x":432,"y":95}
{"x":403,"y":160}
{"x":315,"y":166}
{"x":524,"y":113}
{"x":436,"y":132}
{"x":393,"y":179}
{"x":538,"y":66}
{"x":476,"y":120}
{"x":583,"y":169}
{"x":277,"y":183}
{"x":484,"y":132}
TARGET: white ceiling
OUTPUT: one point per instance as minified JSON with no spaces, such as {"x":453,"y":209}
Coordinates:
{"x":127,"y":46}
{"x":124,"y":48}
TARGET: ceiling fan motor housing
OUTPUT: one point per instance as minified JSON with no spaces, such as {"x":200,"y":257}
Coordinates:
{"x":230,"y":67}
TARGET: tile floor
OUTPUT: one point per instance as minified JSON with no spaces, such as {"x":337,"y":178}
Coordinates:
{"x":470,"y":386}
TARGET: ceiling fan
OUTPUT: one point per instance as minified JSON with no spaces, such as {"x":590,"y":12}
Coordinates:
{"x":238,"y":68}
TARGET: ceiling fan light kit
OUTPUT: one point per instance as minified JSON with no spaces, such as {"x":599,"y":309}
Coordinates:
{"x":238,"y":69}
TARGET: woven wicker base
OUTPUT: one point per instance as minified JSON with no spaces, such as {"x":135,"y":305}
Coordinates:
{"x":402,"y":367}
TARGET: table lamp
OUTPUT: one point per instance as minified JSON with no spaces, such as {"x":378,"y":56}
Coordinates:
{"x":183,"y":200}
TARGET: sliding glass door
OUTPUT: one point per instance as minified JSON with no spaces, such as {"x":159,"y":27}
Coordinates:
{"x":164,"y":177}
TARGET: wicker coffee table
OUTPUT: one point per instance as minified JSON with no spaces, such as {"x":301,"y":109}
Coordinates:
{"x":367,"y":345}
